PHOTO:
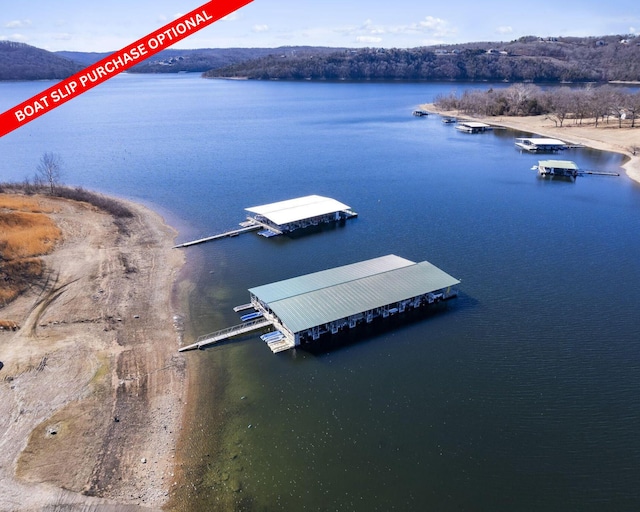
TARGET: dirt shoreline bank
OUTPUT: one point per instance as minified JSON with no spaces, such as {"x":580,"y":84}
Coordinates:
{"x":605,"y":137}
{"x":93,"y":388}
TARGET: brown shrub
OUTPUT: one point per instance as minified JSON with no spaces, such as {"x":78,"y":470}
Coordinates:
{"x":17,"y":276}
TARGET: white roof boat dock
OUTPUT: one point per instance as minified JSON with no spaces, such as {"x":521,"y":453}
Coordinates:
{"x":286,"y":216}
{"x":304,"y":308}
{"x":473,"y":127}
{"x":558,"y":168}
{"x":540,"y":144}
{"x":298,"y":213}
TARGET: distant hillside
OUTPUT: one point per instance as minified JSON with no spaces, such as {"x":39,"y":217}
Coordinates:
{"x":173,"y":61}
{"x":20,"y":61}
{"x":199,"y":60}
{"x":529,"y":59}
{"x":84,"y":58}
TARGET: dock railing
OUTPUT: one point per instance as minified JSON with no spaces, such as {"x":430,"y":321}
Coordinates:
{"x":224,"y":334}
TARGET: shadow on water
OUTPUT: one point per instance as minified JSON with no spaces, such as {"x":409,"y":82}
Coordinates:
{"x":313,"y":230}
{"x":380,"y":327}
{"x":556,"y":179}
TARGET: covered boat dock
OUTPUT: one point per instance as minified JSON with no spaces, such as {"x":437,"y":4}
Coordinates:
{"x":304,"y":308}
{"x":290,"y":215}
{"x":540,"y":144}
{"x":565,"y":168}
{"x":473,"y":127}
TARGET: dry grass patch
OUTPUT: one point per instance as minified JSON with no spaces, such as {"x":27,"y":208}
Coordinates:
{"x":22,"y":203}
{"x":25,"y":233}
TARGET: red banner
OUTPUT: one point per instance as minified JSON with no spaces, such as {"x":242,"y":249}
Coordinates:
{"x":117,"y":62}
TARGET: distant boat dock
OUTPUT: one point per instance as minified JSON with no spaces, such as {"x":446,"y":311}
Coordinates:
{"x":473,"y":127}
{"x":544,"y":145}
{"x":565,"y":169}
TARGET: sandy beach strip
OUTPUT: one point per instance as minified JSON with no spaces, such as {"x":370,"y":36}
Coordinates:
{"x":605,"y":137}
{"x":92,"y":385}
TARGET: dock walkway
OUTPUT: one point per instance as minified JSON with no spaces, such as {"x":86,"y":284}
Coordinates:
{"x":224,"y":334}
{"x":234,"y":232}
{"x":600,"y":173}
{"x":243,"y":307}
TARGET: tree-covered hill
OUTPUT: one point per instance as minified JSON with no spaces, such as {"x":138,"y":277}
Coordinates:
{"x":529,"y":59}
{"x":19,"y":61}
{"x":198,"y":60}
{"x":173,"y":61}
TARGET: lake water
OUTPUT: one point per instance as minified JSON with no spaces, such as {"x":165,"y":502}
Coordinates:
{"x":522,"y":394}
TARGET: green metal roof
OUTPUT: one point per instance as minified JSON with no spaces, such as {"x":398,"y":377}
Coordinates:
{"x":322,"y":297}
{"x":558,"y":164}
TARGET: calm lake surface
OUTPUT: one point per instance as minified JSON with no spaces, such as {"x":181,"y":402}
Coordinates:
{"x":522,"y":394}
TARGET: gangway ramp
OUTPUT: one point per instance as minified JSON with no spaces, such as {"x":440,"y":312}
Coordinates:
{"x":225,"y":334}
{"x":234,"y":232}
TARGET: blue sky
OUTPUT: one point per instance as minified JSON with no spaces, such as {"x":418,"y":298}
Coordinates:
{"x":108,"y":26}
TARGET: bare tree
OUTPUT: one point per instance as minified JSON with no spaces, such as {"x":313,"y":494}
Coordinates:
{"x":49,"y":170}
{"x":580,"y":104}
{"x":559,"y":101}
{"x":602,"y":100}
{"x":619,"y":106}
{"x":633,"y":107}
{"x":519,"y":97}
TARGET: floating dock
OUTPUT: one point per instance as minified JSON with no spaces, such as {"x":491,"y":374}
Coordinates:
{"x":299,"y":213}
{"x":275,"y":219}
{"x":304,"y":308}
{"x":566,"y":169}
{"x":473,"y":127}
{"x":540,"y":144}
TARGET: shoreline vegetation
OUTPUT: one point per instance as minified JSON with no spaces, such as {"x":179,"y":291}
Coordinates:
{"x":605,"y":137}
{"x":93,"y":386}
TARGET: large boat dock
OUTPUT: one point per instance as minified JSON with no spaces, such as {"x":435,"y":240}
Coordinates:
{"x":304,"y":308}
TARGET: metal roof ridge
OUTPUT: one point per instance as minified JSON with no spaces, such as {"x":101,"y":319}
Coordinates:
{"x":413,"y":263}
